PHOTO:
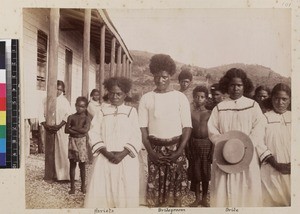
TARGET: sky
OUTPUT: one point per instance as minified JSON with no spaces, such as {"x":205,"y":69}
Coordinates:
{"x":210,"y":37}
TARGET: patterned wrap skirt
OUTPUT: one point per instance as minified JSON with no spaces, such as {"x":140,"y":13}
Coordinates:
{"x":166,"y":183}
{"x":200,"y":163}
{"x":78,"y":149}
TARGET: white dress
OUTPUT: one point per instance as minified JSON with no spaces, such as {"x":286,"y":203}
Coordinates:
{"x":276,"y":186}
{"x":93,"y":107}
{"x":62,"y":165}
{"x":114,"y":185}
{"x":240,"y":189}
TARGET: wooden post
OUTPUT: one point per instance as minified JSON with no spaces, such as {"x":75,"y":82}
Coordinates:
{"x":112,"y":57}
{"x":127,"y":68}
{"x":119,"y":65}
{"x":51,"y":93}
{"x":130,"y":70}
{"x":102,"y":61}
{"x":124,"y":65}
{"x":86,"y":53}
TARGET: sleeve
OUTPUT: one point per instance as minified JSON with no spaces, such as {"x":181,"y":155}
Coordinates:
{"x":257,"y":134}
{"x":185,"y":111}
{"x":95,"y":137}
{"x":64,"y":109}
{"x":135,"y":141}
{"x":143,"y":117}
{"x":42,"y":110}
{"x":213,"y":125}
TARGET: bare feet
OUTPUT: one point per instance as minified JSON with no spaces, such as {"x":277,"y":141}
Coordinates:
{"x":72,"y":191}
{"x":196,"y":203}
{"x":204,"y":203}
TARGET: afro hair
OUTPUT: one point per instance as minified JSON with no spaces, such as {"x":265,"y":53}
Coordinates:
{"x":162,"y":62}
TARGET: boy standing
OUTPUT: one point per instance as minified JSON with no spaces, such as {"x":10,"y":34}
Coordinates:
{"x":200,"y":146}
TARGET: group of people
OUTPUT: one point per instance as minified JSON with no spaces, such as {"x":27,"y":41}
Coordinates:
{"x":182,"y":138}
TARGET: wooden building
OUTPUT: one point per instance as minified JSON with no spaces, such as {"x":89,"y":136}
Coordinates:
{"x":78,"y":46}
{"x":89,"y":50}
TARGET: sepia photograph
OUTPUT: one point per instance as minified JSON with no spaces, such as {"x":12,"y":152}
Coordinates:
{"x":157,"y":108}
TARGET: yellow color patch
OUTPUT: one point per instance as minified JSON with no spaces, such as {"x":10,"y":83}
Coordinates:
{"x":2,"y":117}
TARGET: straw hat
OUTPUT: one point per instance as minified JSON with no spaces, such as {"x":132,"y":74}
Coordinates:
{"x":233,"y":152}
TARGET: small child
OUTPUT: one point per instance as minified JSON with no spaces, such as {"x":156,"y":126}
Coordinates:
{"x":77,"y":127}
{"x":200,"y":146}
{"x":94,"y":104}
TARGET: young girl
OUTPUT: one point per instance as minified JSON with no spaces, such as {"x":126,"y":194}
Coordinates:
{"x":94,"y":104}
{"x":115,"y":138}
{"x":77,"y":127}
{"x":276,"y":167}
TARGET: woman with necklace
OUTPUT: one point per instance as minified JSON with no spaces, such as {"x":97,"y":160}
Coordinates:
{"x":165,"y":122}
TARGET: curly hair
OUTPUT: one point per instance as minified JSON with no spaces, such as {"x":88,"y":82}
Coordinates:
{"x":262,"y":88}
{"x":82,"y":99}
{"x":162,"y":62}
{"x":185,"y":74}
{"x":215,"y":87}
{"x":95,"y":90}
{"x":122,"y":82}
{"x":200,"y":88}
{"x":236,"y":73}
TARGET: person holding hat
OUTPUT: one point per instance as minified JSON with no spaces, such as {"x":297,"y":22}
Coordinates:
{"x":276,"y":166}
{"x":235,"y":179}
{"x":165,"y":121}
{"x":185,"y":79}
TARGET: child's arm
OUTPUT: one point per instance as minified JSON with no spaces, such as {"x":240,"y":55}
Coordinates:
{"x":68,"y":127}
{"x":85,"y":128}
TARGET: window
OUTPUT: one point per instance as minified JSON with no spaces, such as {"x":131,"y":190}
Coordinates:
{"x":42,"y":39}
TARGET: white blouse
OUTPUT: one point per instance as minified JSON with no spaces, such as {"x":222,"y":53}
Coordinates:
{"x":165,"y":114}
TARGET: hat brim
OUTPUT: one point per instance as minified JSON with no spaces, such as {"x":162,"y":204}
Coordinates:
{"x":218,"y":155}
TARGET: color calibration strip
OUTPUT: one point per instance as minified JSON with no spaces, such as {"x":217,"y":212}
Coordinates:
{"x":9,"y":104}
{"x":2,"y":105}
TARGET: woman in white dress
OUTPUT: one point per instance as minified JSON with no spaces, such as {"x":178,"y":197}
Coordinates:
{"x":242,"y":114}
{"x":276,"y":167}
{"x":63,"y":110}
{"x":115,"y":139}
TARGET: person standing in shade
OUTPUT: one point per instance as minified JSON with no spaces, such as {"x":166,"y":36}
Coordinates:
{"x":239,"y":113}
{"x":165,"y":121}
{"x":63,"y":110}
{"x":94,"y":103}
{"x":276,"y":166}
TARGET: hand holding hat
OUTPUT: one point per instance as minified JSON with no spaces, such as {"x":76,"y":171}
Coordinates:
{"x":233,"y":152}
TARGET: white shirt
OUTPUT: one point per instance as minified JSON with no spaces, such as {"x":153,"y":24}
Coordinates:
{"x":165,"y":114}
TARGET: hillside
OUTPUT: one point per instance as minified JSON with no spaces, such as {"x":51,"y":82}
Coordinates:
{"x":143,"y":80}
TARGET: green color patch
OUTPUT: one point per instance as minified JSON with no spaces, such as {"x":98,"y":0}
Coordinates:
{"x":2,"y":131}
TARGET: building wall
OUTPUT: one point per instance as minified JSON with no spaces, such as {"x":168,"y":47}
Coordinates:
{"x":38,"y":19}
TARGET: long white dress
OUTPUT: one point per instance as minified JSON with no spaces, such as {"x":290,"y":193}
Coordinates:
{"x":62,"y":165}
{"x":276,"y":186}
{"x":114,"y":185}
{"x":240,"y":189}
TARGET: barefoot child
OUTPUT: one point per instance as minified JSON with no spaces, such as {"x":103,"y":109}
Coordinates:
{"x":200,"y":146}
{"x":78,"y":125}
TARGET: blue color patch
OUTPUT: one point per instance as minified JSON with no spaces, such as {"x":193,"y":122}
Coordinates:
{"x":2,"y":145}
{"x":2,"y":159}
